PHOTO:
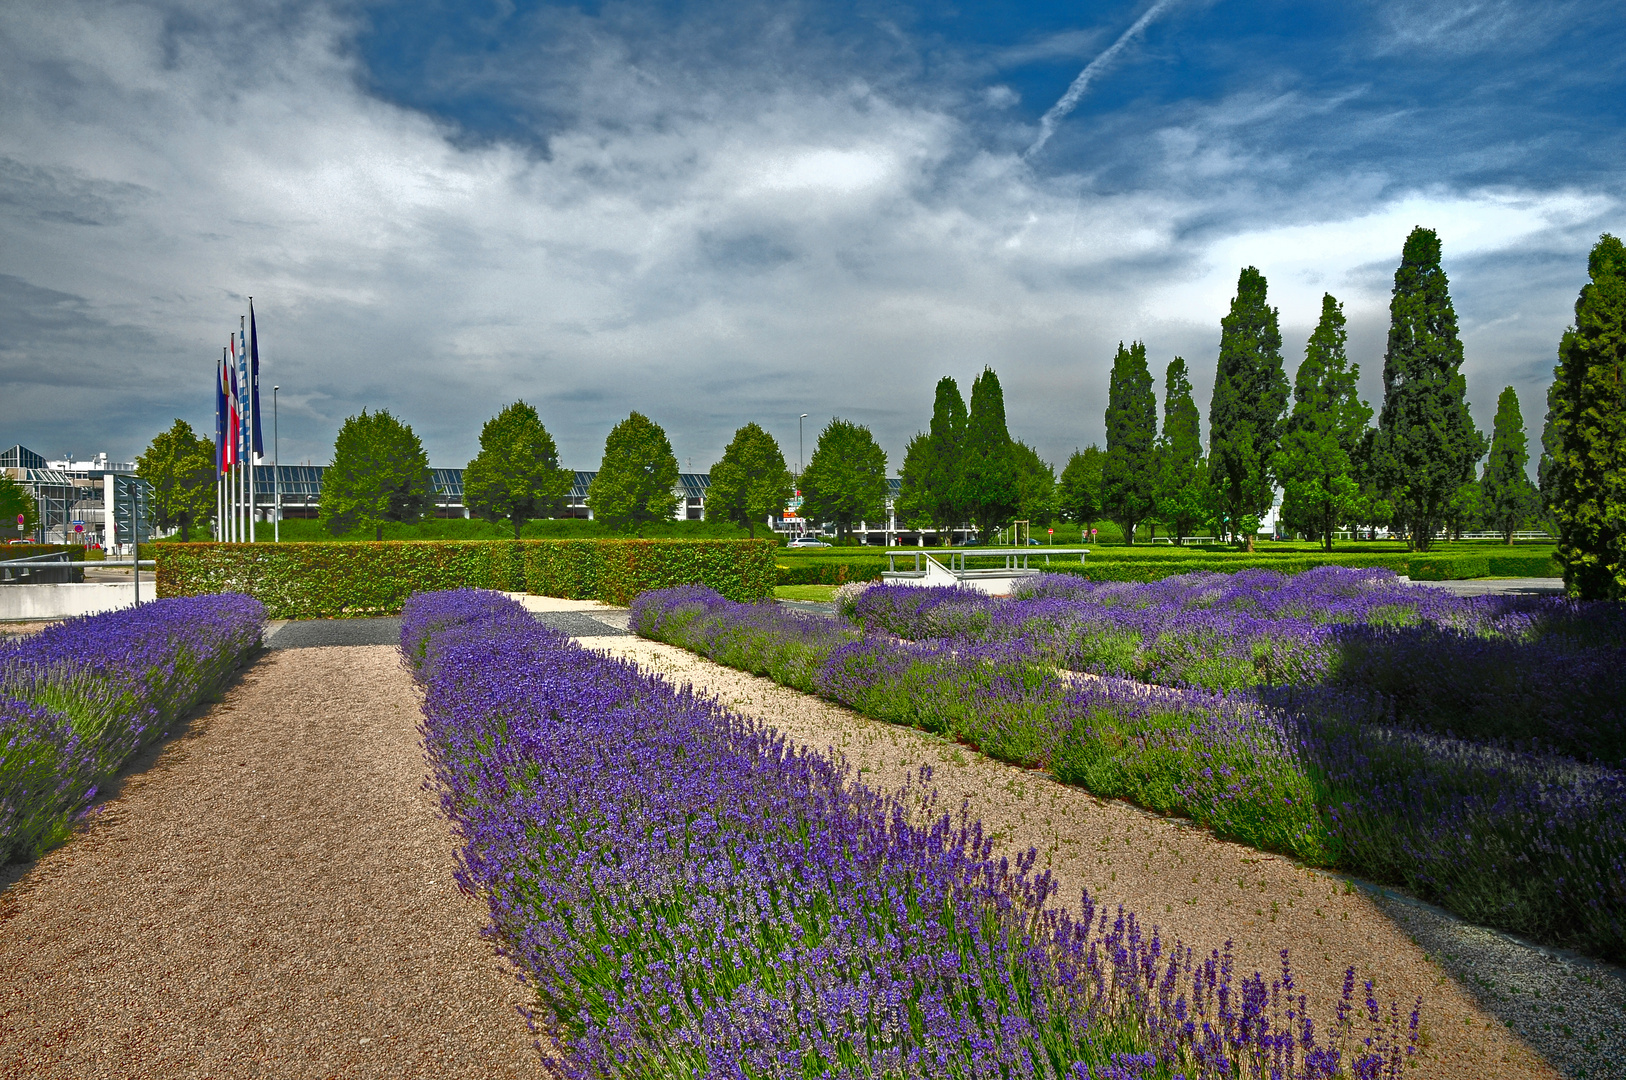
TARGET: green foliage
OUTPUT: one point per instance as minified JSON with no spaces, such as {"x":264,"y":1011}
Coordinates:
{"x":304,"y":530}
{"x":931,"y":492}
{"x":1129,"y":474}
{"x":1588,"y":424}
{"x":1035,"y":485}
{"x":988,"y":486}
{"x":313,"y":581}
{"x":1182,"y":481}
{"x":831,"y":571}
{"x":1244,"y":415}
{"x":379,"y":474}
{"x":1322,"y":434}
{"x":1078,"y":495}
{"x":636,"y":480}
{"x":516,"y":476}
{"x":751,"y":481}
{"x":1426,"y":444}
{"x":180,"y":467}
{"x":14,"y":500}
{"x":845,"y":479}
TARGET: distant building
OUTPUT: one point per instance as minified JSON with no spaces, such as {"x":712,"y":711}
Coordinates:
{"x":80,"y":502}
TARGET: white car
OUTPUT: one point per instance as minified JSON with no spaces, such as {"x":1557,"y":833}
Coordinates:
{"x":806,"y":542}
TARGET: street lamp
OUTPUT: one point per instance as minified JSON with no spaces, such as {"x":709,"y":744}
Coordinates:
{"x":276,"y":474}
{"x":799,"y":450}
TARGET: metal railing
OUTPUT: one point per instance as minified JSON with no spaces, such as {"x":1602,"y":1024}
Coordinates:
{"x":1014,"y":559}
{"x":51,"y":568}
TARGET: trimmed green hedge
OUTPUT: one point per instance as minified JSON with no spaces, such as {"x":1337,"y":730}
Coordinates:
{"x":1417,"y":566}
{"x":305,"y":581}
{"x":838,"y":571}
{"x":76,"y":552}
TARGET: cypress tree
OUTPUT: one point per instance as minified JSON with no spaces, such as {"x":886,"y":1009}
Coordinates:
{"x":1129,"y":474}
{"x":1507,"y":499}
{"x":1244,"y":415}
{"x":1182,"y":496}
{"x":1426,"y":444}
{"x":1323,"y":433}
{"x":987,"y":469}
{"x":1588,"y":471}
{"x":942,"y":500}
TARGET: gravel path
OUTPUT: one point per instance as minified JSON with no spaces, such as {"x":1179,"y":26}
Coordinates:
{"x":269,"y":895}
{"x":1176,"y":875}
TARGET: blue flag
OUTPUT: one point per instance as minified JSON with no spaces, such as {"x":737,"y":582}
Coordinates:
{"x":254,"y":377}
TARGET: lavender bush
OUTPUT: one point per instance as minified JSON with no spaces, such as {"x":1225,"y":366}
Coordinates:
{"x":77,"y":699}
{"x":1525,"y":841}
{"x":1540,"y":669}
{"x":690,"y":896}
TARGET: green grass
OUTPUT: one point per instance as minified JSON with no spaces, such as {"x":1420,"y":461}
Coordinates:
{"x":804,"y":592}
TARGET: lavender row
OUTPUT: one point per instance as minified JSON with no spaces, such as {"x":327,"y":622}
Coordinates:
{"x":79,"y":698}
{"x":690,"y":896}
{"x":1542,"y":670}
{"x":1529,"y":842}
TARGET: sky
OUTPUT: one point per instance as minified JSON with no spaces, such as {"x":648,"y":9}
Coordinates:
{"x":717,"y":213}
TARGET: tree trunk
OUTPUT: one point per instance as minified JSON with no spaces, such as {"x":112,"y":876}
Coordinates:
{"x":516,"y":527}
{"x":378,"y":533}
{"x":1249,"y":548}
{"x":1507,"y":536}
{"x":186,"y":533}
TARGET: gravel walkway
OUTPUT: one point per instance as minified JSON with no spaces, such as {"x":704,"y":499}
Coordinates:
{"x":1173,"y":874}
{"x":269,"y":895}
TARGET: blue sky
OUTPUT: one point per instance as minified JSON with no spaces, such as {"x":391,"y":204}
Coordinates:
{"x":718,"y":213}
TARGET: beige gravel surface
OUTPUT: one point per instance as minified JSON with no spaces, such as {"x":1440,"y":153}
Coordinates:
{"x":1171,"y":873}
{"x":269,"y":894}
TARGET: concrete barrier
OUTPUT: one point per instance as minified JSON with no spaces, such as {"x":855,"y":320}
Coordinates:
{"x":36,"y":603}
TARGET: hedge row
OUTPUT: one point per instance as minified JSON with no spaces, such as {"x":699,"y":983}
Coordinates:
{"x":76,"y":552}
{"x":805,"y":571}
{"x":305,"y":581}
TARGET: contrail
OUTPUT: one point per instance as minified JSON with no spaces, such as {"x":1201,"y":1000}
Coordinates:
{"x":1069,"y":100}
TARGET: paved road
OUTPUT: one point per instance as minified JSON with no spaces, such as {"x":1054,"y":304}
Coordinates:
{"x":1529,"y":586}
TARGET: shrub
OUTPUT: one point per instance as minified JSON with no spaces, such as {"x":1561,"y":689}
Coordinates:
{"x":303,"y":581}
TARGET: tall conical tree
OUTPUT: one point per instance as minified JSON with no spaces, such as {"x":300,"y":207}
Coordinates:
{"x":1321,"y":435}
{"x":1129,"y":475}
{"x":987,"y":470}
{"x":1244,"y":415}
{"x":1507,"y":499}
{"x":1182,"y":494}
{"x":943,"y":459}
{"x":1589,"y":426}
{"x":1426,"y":443}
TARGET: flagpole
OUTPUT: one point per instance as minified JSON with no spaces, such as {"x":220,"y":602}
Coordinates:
{"x":251,"y":396}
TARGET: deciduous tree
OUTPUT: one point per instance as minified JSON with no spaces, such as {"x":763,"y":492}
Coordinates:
{"x":751,"y":481}
{"x":1320,"y":437}
{"x":180,"y":469}
{"x":845,"y":479}
{"x":1507,"y":498}
{"x":379,"y":474}
{"x":637,"y":479}
{"x":1426,"y":444}
{"x":1129,"y":475}
{"x":1079,"y":490}
{"x":1589,"y":427}
{"x":1035,"y":485}
{"x":14,"y":501}
{"x":516,"y":476}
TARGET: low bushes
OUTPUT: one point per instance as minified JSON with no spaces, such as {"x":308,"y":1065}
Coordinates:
{"x":302,"y":581}
{"x":690,"y":896}
{"x":833,"y":571}
{"x":1524,"y":841}
{"x":77,"y":699}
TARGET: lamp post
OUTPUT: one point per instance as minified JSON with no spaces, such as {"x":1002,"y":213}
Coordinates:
{"x":799,"y":449}
{"x":276,"y":473}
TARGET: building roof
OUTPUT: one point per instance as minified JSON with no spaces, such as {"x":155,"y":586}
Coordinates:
{"x":21,"y":457}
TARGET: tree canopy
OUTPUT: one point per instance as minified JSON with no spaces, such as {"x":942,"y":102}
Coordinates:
{"x":637,"y":479}
{"x":180,"y":468}
{"x":1035,"y":485}
{"x":751,"y":481}
{"x":1182,"y":499}
{"x":1507,"y":499}
{"x":379,"y":474}
{"x":1426,"y":443}
{"x":845,"y":479}
{"x":1078,"y":494}
{"x":1588,"y":425}
{"x":15,"y":500}
{"x":1316,"y":463}
{"x":988,"y":488}
{"x":1250,"y":395}
{"x":1129,"y":474}
{"x":516,"y":474}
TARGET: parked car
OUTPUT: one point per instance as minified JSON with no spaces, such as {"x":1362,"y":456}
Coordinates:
{"x":806,"y":542}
